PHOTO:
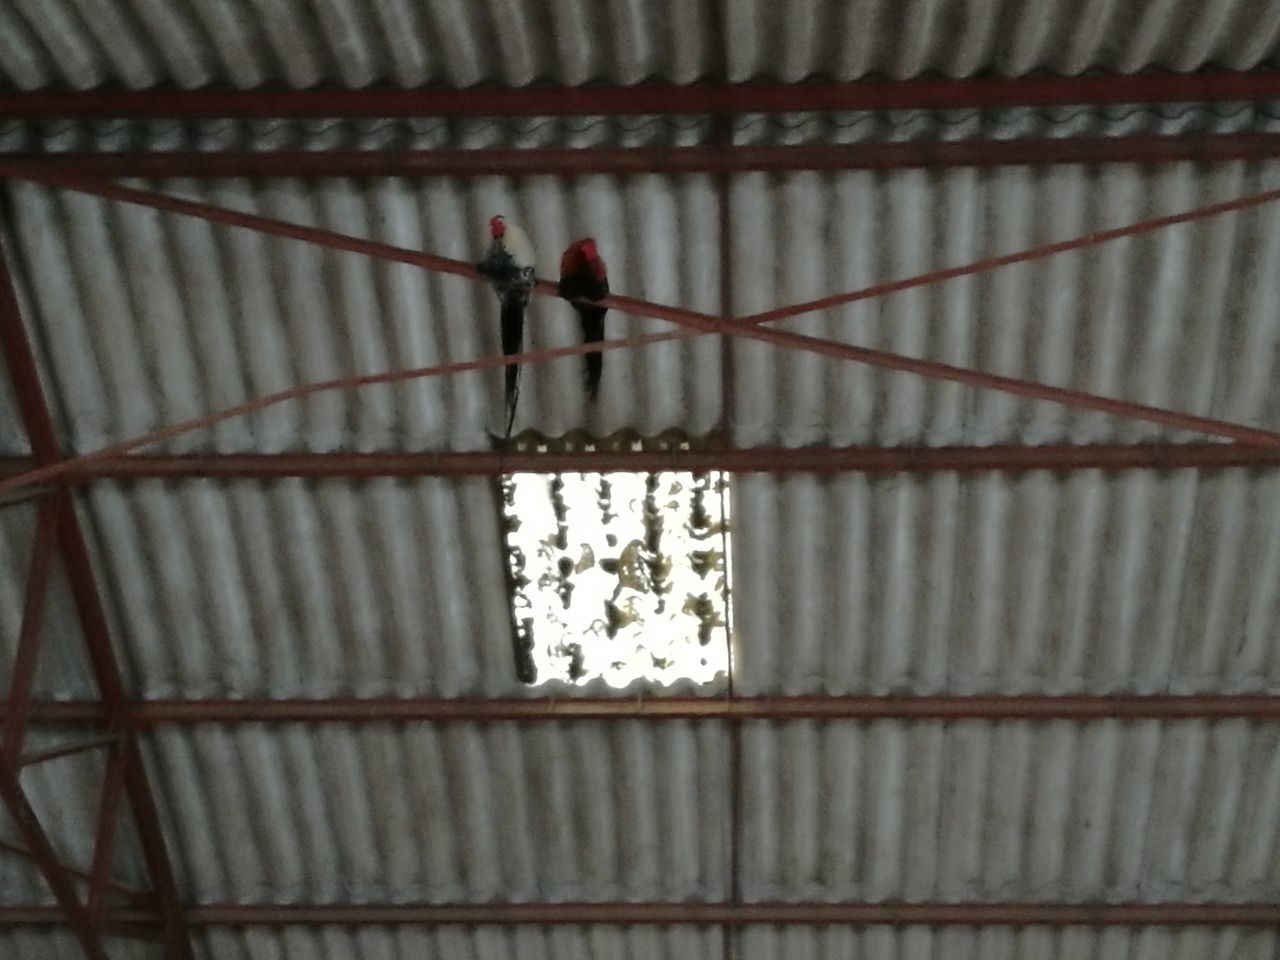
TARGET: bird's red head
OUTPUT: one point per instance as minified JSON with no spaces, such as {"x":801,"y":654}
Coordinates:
{"x":588,"y":247}
{"x":497,"y":227}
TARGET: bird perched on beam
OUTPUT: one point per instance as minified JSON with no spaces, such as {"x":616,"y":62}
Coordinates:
{"x":583,"y":277}
{"x":509,"y":267}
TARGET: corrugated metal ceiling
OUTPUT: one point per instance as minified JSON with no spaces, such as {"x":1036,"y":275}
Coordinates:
{"x":680,"y":943}
{"x":632,"y":811}
{"x":305,"y":43}
{"x":1100,"y":583}
{"x":1109,"y":583}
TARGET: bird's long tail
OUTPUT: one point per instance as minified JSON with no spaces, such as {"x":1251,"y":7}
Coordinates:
{"x":513,"y":307}
{"x":593,"y":332}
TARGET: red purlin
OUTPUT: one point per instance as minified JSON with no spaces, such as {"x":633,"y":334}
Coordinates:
{"x":1079,"y":708}
{"x":1016,"y":914}
{"x":773,"y":460}
{"x":21,"y":365}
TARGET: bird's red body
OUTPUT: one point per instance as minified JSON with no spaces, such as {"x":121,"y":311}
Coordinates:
{"x":583,"y":276}
{"x":582,"y":261}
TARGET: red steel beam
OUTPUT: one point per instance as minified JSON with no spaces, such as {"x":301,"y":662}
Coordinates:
{"x":695,"y":323}
{"x":34,"y":408}
{"x":706,"y":98}
{"x":622,"y":161}
{"x":133,"y":894}
{"x":70,"y":909}
{"x":69,"y":749}
{"x":84,"y":591}
{"x":703,"y":914}
{"x":104,"y":848}
{"x":773,"y":460}
{"x":155,"y":713}
{"x":32,"y":630}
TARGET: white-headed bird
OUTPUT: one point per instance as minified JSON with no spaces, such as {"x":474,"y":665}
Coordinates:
{"x":509,"y":266}
{"x":583,"y":277}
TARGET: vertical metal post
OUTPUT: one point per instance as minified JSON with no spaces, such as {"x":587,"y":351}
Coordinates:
{"x":24,"y":670}
{"x":28,"y":652}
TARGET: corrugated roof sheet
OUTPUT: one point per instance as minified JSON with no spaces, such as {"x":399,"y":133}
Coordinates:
{"x":682,"y":943}
{"x":1010,"y":812}
{"x":629,"y":810}
{"x":379,"y":813}
{"x":463,"y":943}
{"x":1093,"y":582}
{"x":306,"y":43}
{"x":898,"y":584}
{"x":1097,"y":582}
{"x":959,"y":943}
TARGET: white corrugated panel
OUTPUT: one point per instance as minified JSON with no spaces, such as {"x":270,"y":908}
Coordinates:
{"x":1011,"y":812}
{"x":312,"y":589}
{"x":1132,"y":581}
{"x":958,"y":38}
{"x":148,"y":319}
{"x":1040,"y":943}
{"x":304,"y":43}
{"x":753,"y":943}
{"x":396,"y":133}
{"x":928,"y":811}
{"x":1186,"y":317}
{"x":450,"y":813}
{"x":463,"y":943}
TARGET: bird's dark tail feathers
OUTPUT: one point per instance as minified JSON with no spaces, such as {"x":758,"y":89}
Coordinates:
{"x":513,"y":307}
{"x":593,"y":332}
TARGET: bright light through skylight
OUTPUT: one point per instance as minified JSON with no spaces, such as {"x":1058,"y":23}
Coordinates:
{"x":622,"y":575}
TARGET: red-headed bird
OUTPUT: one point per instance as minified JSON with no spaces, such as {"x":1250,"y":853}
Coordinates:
{"x":583,"y":277}
{"x":509,"y":265}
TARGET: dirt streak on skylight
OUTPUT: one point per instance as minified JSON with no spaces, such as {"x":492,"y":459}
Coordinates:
{"x":621,"y":576}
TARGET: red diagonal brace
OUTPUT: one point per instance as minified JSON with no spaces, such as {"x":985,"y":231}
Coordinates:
{"x":702,"y":323}
{"x":750,"y":326}
{"x":46,"y":859}
{"x":69,"y":749}
{"x":130,"y":894}
{"x":104,"y":848}
{"x":21,"y":364}
{"x":27,"y":656}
